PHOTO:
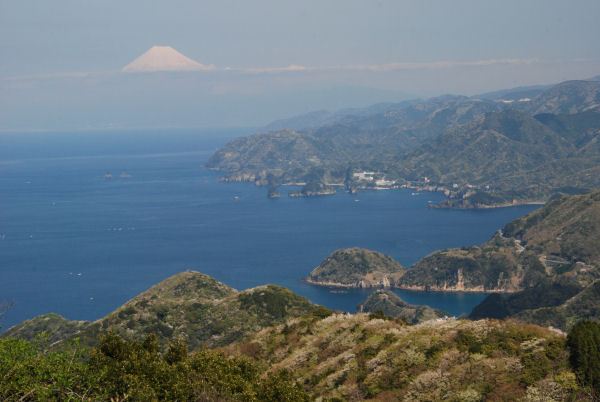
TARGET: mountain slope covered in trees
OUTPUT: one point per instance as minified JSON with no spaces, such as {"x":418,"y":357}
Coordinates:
{"x":564,"y":235}
{"x":479,"y":152}
{"x":190,"y":305}
{"x":361,"y":357}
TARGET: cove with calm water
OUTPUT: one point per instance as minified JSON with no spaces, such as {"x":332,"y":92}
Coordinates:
{"x":75,"y":243}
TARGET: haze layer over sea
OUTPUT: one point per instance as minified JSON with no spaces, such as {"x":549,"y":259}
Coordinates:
{"x":80,"y":244}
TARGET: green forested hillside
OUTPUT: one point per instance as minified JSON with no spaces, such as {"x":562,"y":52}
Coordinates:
{"x":585,"y":305}
{"x":324,"y":154}
{"x":564,"y":236}
{"x":566,"y":98}
{"x":479,"y":152}
{"x":358,"y":357}
{"x":558,"y":240}
{"x":496,"y":266}
{"x":123,"y":369}
{"x":568,"y":227}
{"x":318,"y":356}
{"x":275,"y":346}
{"x":190,"y":305}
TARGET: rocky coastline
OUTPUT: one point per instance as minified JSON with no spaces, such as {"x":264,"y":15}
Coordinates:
{"x":387,"y":283}
{"x":456,"y":199}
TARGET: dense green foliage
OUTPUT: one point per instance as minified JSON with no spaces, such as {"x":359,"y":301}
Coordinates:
{"x":55,"y":326}
{"x":563,"y":237}
{"x":319,"y":355}
{"x":324,"y":154}
{"x":190,"y":305}
{"x":584,"y":345}
{"x":567,"y":228}
{"x":491,"y":266}
{"x":28,"y":373}
{"x":363,"y":356}
{"x":119,"y":369}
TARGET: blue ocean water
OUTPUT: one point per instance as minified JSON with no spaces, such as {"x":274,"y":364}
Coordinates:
{"x":75,"y":243}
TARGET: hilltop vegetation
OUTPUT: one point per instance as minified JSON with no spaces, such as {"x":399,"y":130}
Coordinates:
{"x":567,"y":228}
{"x":190,"y":305}
{"x":479,"y":152}
{"x":307,"y":352}
{"x":355,"y":357}
{"x":319,"y":356}
{"x":509,"y":155}
{"x":357,"y":268}
{"x":496,"y":266}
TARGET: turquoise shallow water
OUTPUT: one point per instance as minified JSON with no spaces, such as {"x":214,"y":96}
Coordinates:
{"x":75,"y":243}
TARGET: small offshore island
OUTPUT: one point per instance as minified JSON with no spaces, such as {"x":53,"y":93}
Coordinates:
{"x":357,"y":268}
{"x":523,"y":253}
{"x":535,"y":267}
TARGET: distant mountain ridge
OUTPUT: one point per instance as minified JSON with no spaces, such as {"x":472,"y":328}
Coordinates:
{"x":319,"y":118}
{"x":515,"y":94}
{"x":511,"y":155}
{"x":326,"y":153}
{"x":438,"y":144}
{"x":566,"y":98}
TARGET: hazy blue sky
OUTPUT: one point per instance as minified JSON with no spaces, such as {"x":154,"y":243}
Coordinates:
{"x":353,"y":52}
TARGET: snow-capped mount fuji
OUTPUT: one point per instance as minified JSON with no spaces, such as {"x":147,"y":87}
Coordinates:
{"x":164,"y":58}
